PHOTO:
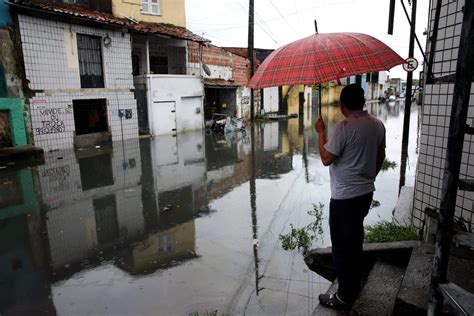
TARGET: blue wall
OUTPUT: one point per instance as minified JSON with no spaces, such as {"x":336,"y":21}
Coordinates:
{"x":5,"y":18}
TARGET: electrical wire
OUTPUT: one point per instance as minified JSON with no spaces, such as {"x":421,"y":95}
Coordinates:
{"x":258,"y":20}
{"x":282,"y":16}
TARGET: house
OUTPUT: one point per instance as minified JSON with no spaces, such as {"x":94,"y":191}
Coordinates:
{"x":376,"y":85}
{"x":268,"y":100}
{"x":169,"y":93}
{"x":85,"y":69}
{"x":225,"y":77}
{"x":395,"y":86}
{"x":77,"y":70}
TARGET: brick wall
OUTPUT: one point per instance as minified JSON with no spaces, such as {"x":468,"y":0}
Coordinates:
{"x":219,"y":57}
{"x":51,"y":66}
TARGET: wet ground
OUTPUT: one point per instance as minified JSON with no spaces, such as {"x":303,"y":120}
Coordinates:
{"x":185,"y":225}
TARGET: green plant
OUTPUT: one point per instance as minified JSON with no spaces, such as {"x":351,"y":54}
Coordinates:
{"x":302,"y":238}
{"x":374,"y":204}
{"x":385,"y":231}
{"x":387,"y":164}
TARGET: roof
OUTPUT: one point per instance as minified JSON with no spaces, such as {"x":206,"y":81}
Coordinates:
{"x":260,"y":53}
{"x":220,"y":83}
{"x":105,"y":18}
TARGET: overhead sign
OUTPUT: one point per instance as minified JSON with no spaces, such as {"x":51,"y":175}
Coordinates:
{"x":410,"y":64}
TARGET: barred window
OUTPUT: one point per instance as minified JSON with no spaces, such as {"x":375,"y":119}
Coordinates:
{"x":90,"y":61}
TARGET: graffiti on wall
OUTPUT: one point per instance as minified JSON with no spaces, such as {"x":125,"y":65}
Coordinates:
{"x":57,"y":178}
{"x":52,"y":121}
{"x":57,"y":174}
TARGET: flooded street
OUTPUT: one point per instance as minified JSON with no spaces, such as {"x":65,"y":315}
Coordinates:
{"x":184,"y":225}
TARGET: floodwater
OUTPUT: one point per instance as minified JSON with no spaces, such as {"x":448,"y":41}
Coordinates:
{"x":185,"y":225}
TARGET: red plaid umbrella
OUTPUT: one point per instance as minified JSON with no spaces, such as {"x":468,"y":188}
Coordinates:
{"x":324,"y":57}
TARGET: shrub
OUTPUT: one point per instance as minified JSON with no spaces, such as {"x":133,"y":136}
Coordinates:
{"x":385,"y":231}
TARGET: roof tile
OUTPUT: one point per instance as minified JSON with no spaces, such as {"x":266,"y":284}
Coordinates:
{"x":101,"y":17}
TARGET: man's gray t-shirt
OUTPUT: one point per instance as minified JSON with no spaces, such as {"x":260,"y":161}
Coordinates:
{"x":356,"y":142}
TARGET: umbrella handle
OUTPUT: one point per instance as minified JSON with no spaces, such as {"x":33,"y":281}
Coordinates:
{"x":320,"y":96}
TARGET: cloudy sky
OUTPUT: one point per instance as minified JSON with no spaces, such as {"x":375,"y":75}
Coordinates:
{"x":278,"y":22}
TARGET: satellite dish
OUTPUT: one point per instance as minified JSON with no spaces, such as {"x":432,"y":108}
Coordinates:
{"x":206,"y":69}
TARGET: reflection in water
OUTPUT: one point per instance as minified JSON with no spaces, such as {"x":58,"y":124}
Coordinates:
{"x":24,"y":285}
{"x":161,"y":224}
{"x":253,"y":205}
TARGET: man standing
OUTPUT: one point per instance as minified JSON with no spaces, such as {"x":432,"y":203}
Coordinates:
{"x":355,"y":153}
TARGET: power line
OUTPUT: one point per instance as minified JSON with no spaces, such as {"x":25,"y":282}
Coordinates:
{"x":265,"y":26}
{"x":282,"y":16}
{"x":268,"y":32}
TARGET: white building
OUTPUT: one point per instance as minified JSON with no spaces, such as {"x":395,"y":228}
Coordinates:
{"x":435,"y":121}
{"x":81,"y":80}
{"x":79,"y":69}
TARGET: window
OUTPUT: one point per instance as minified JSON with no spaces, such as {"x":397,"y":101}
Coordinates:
{"x":159,"y":64}
{"x":151,"y":7}
{"x":90,"y":61}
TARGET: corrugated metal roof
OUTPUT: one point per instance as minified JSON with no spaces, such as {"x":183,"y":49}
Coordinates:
{"x":101,"y":17}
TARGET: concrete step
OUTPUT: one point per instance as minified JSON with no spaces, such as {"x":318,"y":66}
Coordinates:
{"x":395,"y":289}
{"x":377,"y":296}
{"x":379,"y":292}
{"x":412,"y":299}
{"x":319,"y":260}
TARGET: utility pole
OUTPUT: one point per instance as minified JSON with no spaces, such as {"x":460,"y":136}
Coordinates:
{"x":408,"y":92}
{"x":250,"y":54}
{"x":320,"y":86}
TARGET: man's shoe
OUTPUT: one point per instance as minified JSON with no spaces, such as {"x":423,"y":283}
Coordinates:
{"x":332,"y":301}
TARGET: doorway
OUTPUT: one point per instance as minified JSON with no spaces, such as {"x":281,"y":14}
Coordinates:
{"x":220,"y":100}
{"x":90,"y":116}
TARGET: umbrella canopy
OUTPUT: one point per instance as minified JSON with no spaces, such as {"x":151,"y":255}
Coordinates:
{"x":324,"y":57}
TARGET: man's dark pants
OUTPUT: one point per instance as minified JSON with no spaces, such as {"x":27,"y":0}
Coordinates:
{"x":346,"y":218}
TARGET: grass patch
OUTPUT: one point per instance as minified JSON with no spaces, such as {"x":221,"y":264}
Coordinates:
{"x":385,"y":231}
{"x":387,"y":164}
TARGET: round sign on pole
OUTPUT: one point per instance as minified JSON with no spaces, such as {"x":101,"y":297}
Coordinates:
{"x":410,"y":64}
